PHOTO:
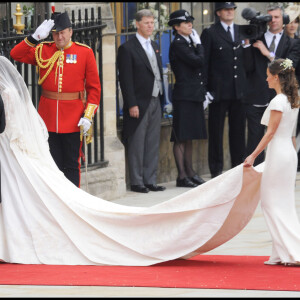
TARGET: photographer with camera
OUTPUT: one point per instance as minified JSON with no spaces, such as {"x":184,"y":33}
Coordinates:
{"x":267,"y":44}
{"x":224,"y":79}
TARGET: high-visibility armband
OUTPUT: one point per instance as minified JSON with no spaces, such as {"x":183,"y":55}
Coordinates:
{"x":89,"y":112}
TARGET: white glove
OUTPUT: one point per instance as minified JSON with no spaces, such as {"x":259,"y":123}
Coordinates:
{"x":86,"y":124}
{"x":168,"y":108}
{"x":195,"y":37}
{"x":208,"y":99}
{"x":43,"y":30}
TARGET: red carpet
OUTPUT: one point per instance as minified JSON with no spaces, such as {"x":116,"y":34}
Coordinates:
{"x":203,"y":271}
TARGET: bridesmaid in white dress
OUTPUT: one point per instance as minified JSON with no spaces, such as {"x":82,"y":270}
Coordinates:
{"x":278,"y":179}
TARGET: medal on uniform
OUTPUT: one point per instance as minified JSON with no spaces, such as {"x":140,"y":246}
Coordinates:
{"x":68,"y":59}
{"x":71,"y":59}
{"x":75,"y":59}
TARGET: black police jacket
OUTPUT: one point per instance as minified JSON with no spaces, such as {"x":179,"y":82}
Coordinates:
{"x":187,"y":63}
{"x":224,"y":63}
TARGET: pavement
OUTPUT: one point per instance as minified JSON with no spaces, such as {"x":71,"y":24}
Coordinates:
{"x":254,"y":239}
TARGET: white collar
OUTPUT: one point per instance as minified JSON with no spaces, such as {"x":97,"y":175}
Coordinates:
{"x":186,"y":37}
{"x":270,"y":34}
{"x":142,"y":40}
{"x":225,"y":26}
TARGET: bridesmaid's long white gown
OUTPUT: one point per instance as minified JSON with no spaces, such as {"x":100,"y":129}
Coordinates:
{"x":278,"y":185}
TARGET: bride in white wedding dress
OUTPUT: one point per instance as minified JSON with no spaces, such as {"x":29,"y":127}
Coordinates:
{"x":45,"y":219}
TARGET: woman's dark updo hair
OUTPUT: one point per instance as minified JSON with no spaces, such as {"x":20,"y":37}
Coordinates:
{"x":288,"y":82}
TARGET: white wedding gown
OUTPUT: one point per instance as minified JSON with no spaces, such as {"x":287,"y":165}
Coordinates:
{"x":45,"y":219}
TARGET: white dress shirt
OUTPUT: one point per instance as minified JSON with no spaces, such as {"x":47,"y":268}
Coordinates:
{"x":225,"y":26}
{"x":269,"y":38}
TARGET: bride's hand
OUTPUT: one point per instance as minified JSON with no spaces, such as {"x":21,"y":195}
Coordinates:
{"x":249,"y":161}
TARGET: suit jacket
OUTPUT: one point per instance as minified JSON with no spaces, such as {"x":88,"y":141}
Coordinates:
{"x":224,"y":68}
{"x":136,"y":80}
{"x":257,"y":90}
{"x":2,"y":116}
{"x":187,"y":63}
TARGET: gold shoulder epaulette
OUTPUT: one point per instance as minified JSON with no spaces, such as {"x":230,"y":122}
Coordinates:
{"x":47,"y":42}
{"x":82,"y":45}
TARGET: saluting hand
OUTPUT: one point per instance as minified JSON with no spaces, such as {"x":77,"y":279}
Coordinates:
{"x":43,"y":30}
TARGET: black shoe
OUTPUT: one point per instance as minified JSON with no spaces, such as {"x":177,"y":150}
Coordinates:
{"x":185,"y":182}
{"x":213,"y":175}
{"x":139,"y":189}
{"x":196,"y":179}
{"x":155,"y":188}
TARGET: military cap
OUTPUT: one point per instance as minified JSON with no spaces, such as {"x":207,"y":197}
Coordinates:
{"x":61,"y":21}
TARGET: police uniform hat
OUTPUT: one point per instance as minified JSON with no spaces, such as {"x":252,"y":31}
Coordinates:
{"x":179,"y":16}
{"x":221,"y":5}
{"x":61,"y":21}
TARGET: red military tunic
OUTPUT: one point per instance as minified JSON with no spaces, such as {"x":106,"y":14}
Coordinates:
{"x":62,"y":116}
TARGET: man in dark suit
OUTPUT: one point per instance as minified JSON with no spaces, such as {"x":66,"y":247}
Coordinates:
{"x":273,"y":44}
{"x":140,"y":75}
{"x":225,"y":77}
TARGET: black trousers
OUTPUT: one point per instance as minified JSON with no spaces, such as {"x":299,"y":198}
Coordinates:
{"x":255,"y":129}
{"x":65,"y":150}
{"x":236,"y":124}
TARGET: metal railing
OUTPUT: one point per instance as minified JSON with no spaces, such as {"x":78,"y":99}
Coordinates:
{"x":86,"y":31}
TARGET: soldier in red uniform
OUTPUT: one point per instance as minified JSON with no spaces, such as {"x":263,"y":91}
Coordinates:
{"x":67,"y":70}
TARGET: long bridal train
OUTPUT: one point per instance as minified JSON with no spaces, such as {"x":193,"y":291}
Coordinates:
{"x":45,"y":219}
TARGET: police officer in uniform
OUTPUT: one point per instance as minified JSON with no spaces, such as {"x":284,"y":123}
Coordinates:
{"x":67,"y":70}
{"x":225,"y":77}
{"x":187,"y":61}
